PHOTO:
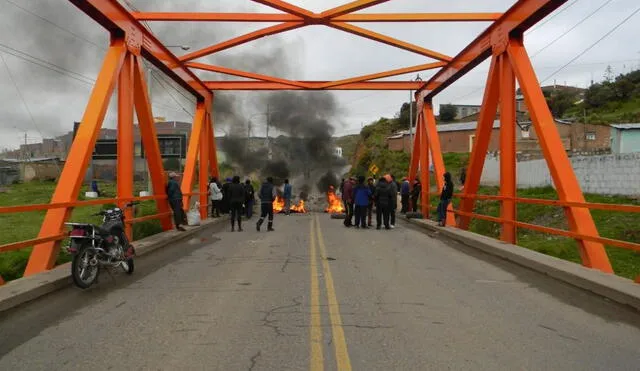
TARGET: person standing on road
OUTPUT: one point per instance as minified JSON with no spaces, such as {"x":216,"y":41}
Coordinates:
{"x":347,"y":199}
{"x":216,"y":195}
{"x":361,"y":196}
{"x":415,"y":195}
{"x":267,"y":195}
{"x":383,"y":203}
{"x":445,"y":198}
{"x":174,"y":195}
{"x":250,"y":198}
{"x":287,"y":197}
{"x":394,"y":199}
{"x":372,"y":189}
{"x":236,"y":201}
{"x":224,"y":203}
{"x":463,"y":177}
{"x":405,"y":191}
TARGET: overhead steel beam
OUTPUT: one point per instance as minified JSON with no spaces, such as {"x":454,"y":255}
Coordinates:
{"x":119,"y":21}
{"x":379,"y":75}
{"x":520,"y":17}
{"x":250,"y":75}
{"x":312,"y":85}
{"x":351,"y":7}
{"x":285,"y":17}
{"x":286,"y":7}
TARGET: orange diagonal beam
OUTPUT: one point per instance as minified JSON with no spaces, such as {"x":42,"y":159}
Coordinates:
{"x":216,"y":17}
{"x":250,"y":75}
{"x":418,"y":17}
{"x":371,"y":35}
{"x":288,"y":8}
{"x":350,"y":8}
{"x":282,"y":27}
{"x":396,"y":72}
{"x":312,"y":85}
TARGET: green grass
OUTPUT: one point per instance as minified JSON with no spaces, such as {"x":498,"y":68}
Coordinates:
{"x":610,"y":224}
{"x":24,"y":226}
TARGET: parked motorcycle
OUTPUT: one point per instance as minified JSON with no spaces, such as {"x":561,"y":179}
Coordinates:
{"x":93,"y":247}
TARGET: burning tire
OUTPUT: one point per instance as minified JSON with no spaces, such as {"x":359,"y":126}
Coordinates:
{"x":339,"y":216}
{"x":414,"y":215}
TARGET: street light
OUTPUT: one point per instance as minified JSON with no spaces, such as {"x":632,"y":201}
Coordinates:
{"x":418,"y":78}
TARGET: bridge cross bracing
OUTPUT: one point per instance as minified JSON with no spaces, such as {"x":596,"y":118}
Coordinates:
{"x":501,"y":41}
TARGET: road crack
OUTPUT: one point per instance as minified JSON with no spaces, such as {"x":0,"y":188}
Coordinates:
{"x":267,"y":321}
{"x":254,"y":360}
{"x":286,"y":263}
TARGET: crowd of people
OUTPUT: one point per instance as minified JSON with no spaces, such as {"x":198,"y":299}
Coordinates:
{"x":360,"y":199}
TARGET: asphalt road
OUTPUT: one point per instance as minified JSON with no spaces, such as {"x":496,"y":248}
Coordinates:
{"x":319,"y":296}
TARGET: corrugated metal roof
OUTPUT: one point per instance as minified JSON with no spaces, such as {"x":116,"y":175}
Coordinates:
{"x":463,"y":126}
{"x":626,"y":126}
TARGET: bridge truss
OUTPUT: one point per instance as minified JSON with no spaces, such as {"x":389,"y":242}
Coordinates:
{"x":501,"y":41}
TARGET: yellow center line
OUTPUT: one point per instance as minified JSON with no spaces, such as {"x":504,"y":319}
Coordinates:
{"x":316,"y":363}
{"x":339,"y":341}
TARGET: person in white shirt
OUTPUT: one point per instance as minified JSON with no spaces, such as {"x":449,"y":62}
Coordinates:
{"x":215,"y":193}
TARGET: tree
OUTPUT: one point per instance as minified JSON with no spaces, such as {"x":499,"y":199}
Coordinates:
{"x":448,"y":112}
{"x":608,"y":74}
{"x":403,"y":116}
{"x":559,"y":101}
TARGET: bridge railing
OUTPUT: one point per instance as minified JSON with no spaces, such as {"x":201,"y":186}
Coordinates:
{"x":627,"y":245}
{"x":19,"y":245}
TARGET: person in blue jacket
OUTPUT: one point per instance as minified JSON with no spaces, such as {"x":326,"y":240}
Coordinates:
{"x":361,"y":196}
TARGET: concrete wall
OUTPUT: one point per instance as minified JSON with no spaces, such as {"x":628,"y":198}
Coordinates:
{"x":606,"y":174}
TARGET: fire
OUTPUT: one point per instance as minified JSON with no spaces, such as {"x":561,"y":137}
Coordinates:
{"x":278,"y":206}
{"x":335,"y":204}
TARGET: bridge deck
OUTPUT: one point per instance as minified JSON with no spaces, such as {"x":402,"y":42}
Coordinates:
{"x":237,"y":301}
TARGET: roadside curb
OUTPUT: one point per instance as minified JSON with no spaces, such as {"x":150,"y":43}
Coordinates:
{"x":610,"y":286}
{"x":26,"y":289}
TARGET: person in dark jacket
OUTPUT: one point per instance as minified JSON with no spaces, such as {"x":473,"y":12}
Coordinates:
{"x":463,"y":177}
{"x":250,"y":198}
{"x":347,"y":199}
{"x":224,"y":203}
{"x":372,"y":188}
{"x":383,"y":203}
{"x":405,"y":191}
{"x":236,"y":202}
{"x":445,"y":198}
{"x":267,"y":195}
{"x":415,"y":195}
{"x":394,"y":199}
{"x":361,"y":196}
{"x":174,"y":195}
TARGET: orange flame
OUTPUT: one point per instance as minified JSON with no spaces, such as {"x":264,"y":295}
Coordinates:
{"x":278,"y":206}
{"x":335,"y":204}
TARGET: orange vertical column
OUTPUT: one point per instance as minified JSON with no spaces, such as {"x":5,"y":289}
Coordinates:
{"x":125,"y":139}
{"x":213,"y":155}
{"x":203,"y":171}
{"x":415,"y":151}
{"x":436,"y":155}
{"x":580,"y":221}
{"x":43,"y":256}
{"x":149,"y":138}
{"x":508,"y":232}
{"x":192,"y":151}
{"x":481,"y":145}
{"x":425,"y":202}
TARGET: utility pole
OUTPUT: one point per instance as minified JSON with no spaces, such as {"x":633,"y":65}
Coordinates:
{"x":269,"y":154}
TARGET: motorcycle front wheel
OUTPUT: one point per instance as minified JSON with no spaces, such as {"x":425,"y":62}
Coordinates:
{"x":84,"y":274}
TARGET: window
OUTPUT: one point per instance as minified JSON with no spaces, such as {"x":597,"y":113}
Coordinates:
{"x":590,"y":136}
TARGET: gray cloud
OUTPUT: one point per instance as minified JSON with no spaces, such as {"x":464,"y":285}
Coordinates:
{"x":315,"y":52}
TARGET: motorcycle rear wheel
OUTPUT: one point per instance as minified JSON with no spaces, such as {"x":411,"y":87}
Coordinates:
{"x":83,"y":273}
{"x":127,"y":266}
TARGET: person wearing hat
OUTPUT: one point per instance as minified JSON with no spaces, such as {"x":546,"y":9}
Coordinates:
{"x":174,"y":195}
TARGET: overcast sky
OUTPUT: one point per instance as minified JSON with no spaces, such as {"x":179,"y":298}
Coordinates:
{"x":64,"y":39}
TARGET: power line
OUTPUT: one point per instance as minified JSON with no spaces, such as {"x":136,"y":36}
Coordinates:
{"x":572,"y":28}
{"x":171,"y":95}
{"x":552,"y":16}
{"x":26,"y":106}
{"x":56,"y":25}
{"x":593,"y":45}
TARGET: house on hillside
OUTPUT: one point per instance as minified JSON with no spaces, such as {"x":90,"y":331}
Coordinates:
{"x":625,"y":138}
{"x":460,"y":137}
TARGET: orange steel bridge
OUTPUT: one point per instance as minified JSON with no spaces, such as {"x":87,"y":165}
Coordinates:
{"x":501,"y":41}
